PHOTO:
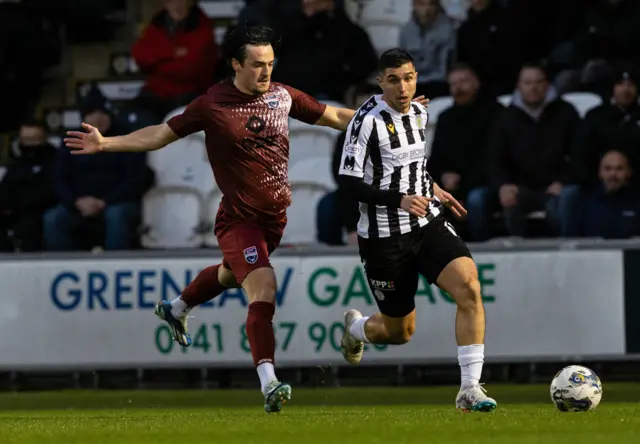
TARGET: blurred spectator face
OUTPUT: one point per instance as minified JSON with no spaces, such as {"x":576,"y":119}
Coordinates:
{"x":254,"y":74}
{"x":99,"y":119}
{"x":533,"y":86}
{"x":178,"y":9}
{"x":463,"y":85}
{"x":426,"y":10}
{"x":614,"y":171}
{"x":32,"y":136}
{"x":479,"y":5}
{"x":399,"y":86}
{"x":313,"y":7}
{"x":625,"y":93}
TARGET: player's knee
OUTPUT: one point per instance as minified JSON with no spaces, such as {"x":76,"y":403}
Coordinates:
{"x":468,"y":295}
{"x":261,"y":286}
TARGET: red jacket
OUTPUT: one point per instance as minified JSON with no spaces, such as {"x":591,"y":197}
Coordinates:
{"x":167,"y":74}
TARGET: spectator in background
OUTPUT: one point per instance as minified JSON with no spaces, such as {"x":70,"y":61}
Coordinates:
{"x":96,"y":192}
{"x":609,"y":36}
{"x":460,"y":145}
{"x":26,"y":190}
{"x":611,"y":125}
{"x":529,"y":153}
{"x":430,"y":38}
{"x":337,"y":212}
{"x":324,"y":52}
{"x":612,"y":209}
{"x":488,"y":43}
{"x":178,"y":55}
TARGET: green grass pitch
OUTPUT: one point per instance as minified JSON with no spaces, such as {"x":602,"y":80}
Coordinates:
{"x":525,"y":415}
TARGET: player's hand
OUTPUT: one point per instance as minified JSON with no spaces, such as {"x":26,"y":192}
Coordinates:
{"x":415,"y":205}
{"x":84,"y":143}
{"x":422,"y":100}
{"x":508,"y":195}
{"x":449,"y":201}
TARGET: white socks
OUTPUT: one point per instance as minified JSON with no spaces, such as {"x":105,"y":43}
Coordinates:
{"x":357,"y":329}
{"x":267,"y":374}
{"x":179,"y":308}
{"x":470,"y":358}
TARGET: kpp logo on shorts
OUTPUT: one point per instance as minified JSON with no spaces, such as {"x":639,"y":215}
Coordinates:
{"x":251,"y":254}
{"x":383,"y":285}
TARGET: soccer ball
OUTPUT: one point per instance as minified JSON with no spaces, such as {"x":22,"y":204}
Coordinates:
{"x":576,"y":389}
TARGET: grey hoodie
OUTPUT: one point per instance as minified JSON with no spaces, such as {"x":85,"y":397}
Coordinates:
{"x":431,"y":46}
{"x":534,"y":113}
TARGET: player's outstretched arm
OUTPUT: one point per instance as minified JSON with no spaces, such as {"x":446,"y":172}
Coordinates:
{"x":146,"y":139}
{"x":336,"y":118}
{"x":339,"y":118}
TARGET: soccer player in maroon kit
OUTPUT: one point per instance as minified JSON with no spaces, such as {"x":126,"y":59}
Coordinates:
{"x":245,"y":120}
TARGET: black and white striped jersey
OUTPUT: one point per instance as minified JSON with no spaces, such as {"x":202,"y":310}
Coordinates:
{"x":387,"y":150}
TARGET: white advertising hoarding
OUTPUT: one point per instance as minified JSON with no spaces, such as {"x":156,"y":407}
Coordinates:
{"x":99,"y":313}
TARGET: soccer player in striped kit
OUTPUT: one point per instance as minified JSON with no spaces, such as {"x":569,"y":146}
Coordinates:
{"x":402,"y":230}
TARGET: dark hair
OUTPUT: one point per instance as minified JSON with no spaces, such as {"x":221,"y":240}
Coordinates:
{"x":540,"y":66}
{"x":459,"y":66}
{"x":394,"y":58}
{"x":238,"y":37}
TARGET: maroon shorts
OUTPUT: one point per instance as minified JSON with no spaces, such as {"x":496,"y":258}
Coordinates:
{"x":246,"y":245}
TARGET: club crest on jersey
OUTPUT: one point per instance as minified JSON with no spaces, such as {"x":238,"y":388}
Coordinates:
{"x":419,"y":120}
{"x":391,"y":127}
{"x":251,"y":255}
{"x":272,"y":101}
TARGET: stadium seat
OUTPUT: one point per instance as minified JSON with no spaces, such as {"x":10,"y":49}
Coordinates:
{"x":583,"y":101}
{"x":211,"y":204}
{"x":391,"y":12}
{"x":435,"y":108}
{"x":309,"y":141}
{"x":171,"y":218}
{"x":221,"y":9}
{"x":505,"y":100}
{"x":383,"y":36}
{"x":114,"y":90}
{"x":182,"y":164}
{"x":309,"y":183}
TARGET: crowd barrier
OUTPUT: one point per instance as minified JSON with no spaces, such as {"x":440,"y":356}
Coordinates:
{"x":96,"y":312}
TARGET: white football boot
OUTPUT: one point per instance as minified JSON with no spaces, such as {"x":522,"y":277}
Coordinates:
{"x":352,"y":348}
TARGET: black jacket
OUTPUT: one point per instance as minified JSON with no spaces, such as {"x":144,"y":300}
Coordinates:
{"x":461,"y":143}
{"x":27,"y":186}
{"x":325,"y":55}
{"x":534,"y":153}
{"x":607,"y":127}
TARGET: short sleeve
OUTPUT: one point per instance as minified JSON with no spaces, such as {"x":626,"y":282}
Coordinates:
{"x":304,"y":107}
{"x":360,"y":133}
{"x":192,"y":120}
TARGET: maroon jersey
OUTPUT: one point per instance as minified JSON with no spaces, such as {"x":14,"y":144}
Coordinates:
{"x":247,"y":140}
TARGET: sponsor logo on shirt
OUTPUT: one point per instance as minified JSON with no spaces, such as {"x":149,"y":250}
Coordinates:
{"x":349,"y":163}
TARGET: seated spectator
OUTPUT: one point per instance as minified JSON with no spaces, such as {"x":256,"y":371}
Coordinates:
{"x":26,"y":190}
{"x":529,"y":153}
{"x":430,"y":38}
{"x":615,"y":124}
{"x":609,"y":36}
{"x":178,"y":55}
{"x":612,"y":209}
{"x":460,"y":145}
{"x":324,"y":52}
{"x":96,"y":193}
{"x":337,"y":212}
{"x":487,"y":42}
